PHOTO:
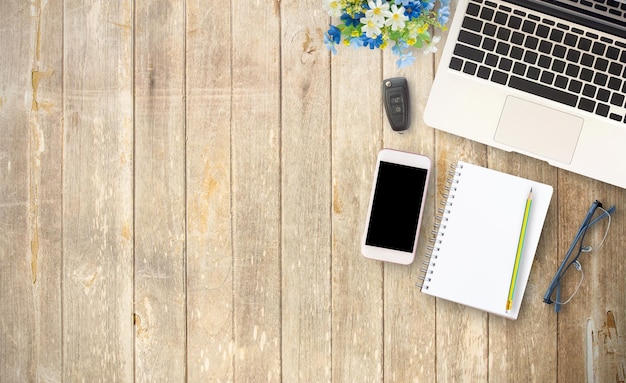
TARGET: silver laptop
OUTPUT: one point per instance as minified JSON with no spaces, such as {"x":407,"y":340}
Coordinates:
{"x":543,"y":78}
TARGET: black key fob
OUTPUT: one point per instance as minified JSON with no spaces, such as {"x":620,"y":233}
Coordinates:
{"x":396,"y":99}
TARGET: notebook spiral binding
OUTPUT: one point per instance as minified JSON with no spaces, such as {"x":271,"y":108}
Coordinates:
{"x":439,"y":228}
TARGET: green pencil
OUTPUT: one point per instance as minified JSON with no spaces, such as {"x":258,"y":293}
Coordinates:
{"x":520,"y":246}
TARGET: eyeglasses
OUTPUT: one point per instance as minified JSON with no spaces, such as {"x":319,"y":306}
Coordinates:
{"x":570,"y":275}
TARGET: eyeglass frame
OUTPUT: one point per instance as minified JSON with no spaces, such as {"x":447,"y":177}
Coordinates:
{"x":565,"y":264}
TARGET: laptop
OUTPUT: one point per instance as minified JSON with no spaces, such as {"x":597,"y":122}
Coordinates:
{"x":545,"y":78}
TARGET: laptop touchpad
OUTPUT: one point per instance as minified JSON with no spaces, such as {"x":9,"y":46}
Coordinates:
{"x":538,"y":129}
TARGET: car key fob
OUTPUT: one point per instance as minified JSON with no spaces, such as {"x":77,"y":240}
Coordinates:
{"x":396,"y":99}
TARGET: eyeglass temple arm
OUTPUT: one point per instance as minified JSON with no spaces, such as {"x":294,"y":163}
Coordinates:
{"x":555,"y":281}
{"x":605,"y":213}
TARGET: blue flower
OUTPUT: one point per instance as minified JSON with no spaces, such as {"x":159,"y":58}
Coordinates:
{"x":332,"y":38}
{"x":405,"y":60}
{"x":330,"y":45}
{"x":353,"y":21}
{"x":399,"y":48}
{"x":413,"y":9}
{"x":428,"y":4}
{"x":335,"y":34}
{"x":372,"y":42}
{"x":356,"y":42}
{"x":443,"y":14}
{"x":405,"y":3}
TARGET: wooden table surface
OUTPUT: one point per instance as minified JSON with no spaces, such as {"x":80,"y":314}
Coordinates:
{"x":183,"y":189}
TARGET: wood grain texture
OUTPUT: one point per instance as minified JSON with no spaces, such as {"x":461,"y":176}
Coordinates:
{"x":256,"y":182}
{"x":98,"y":192}
{"x":30,"y":195}
{"x":305,"y":195}
{"x":357,"y":282}
{"x":183,"y":189}
{"x":589,"y":327}
{"x":210,"y":294}
{"x":160,"y":302}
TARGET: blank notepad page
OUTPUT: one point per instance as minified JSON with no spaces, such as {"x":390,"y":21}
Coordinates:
{"x":476,"y":243}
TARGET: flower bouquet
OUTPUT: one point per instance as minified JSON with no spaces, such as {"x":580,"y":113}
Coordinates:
{"x":404,"y":24}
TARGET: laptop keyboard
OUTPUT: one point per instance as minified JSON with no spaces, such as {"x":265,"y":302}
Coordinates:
{"x":543,"y":57}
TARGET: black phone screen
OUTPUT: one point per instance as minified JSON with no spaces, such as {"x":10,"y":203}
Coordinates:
{"x":396,"y":206}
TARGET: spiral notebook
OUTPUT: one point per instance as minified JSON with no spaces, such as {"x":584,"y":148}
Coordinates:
{"x":474,"y":249}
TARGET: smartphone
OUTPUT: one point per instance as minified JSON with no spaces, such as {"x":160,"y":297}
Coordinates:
{"x":396,"y":206}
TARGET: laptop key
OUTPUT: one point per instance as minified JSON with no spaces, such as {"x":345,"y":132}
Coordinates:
{"x":515,"y":22}
{"x":490,"y":29}
{"x":470,"y":38}
{"x":543,"y":31}
{"x":570,"y":39}
{"x":587,"y":105}
{"x":615,"y":69}
{"x":483,"y":72}
{"x":603,"y":95}
{"x":456,"y":63}
{"x":560,"y":82}
{"x":602,"y":110}
{"x":472,"y":24}
{"x":469,"y":52}
{"x":500,"y":18}
{"x":589,"y":91}
{"x":572,"y":70}
{"x":499,"y":77}
{"x":533,"y":73}
{"x":584,"y":44}
{"x":545,"y":47}
{"x":517,"y":38}
{"x":575,"y":86}
{"x":529,"y":26}
{"x":519,"y":68}
{"x":543,"y":91}
{"x":559,"y":51}
{"x":486,"y":14}
{"x":472,"y":9}
{"x":470,"y":67}
{"x":615,"y":83}
{"x":491,"y":60}
{"x":556,"y":35}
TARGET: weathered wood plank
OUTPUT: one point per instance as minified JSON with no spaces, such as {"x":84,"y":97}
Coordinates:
{"x":160,"y":302}
{"x":306,"y":194}
{"x":30,"y":169}
{"x":409,"y":332}
{"x":98,"y":192}
{"x":590,"y":344}
{"x":256,"y":132}
{"x":357,"y":282}
{"x":210,"y":344}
